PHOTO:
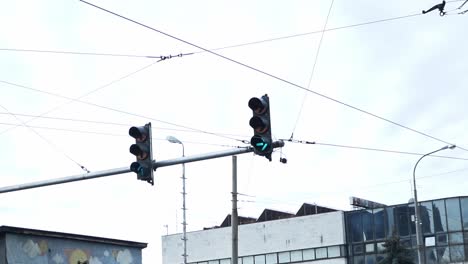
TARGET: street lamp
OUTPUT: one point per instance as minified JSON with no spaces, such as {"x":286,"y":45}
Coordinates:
{"x":416,"y":208}
{"x":184,"y":221}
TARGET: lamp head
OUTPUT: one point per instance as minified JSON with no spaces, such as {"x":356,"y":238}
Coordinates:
{"x":173,"y":140}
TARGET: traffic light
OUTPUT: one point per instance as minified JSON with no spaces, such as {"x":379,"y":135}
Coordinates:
{"x":260,"y":122}
{"x":142,"y":149}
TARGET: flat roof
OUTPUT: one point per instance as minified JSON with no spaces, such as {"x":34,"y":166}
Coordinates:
{"x":52,"y":234}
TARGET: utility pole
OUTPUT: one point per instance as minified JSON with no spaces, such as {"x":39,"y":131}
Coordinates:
{"x":234,"y":216}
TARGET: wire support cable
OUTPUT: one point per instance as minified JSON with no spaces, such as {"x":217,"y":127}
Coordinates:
{"x":368,"y":149}
{"x":271,"y":75}
{"x":114,"y":110}
{"x":47,"y":141}
{"x":161,"y":57}
{"x":313,"y":69}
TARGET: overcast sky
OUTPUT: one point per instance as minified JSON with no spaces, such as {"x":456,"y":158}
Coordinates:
{"x":410,"y":71}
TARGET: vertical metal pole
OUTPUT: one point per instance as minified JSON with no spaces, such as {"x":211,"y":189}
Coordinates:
{"x":234,"y":217}
{"x":184,"y":209}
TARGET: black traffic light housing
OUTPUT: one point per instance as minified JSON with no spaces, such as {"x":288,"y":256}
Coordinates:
{"x":143,"y":151}
{"x":261,"y":124}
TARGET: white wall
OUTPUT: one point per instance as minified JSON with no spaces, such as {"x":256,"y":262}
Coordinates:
{"x":266,"y":237}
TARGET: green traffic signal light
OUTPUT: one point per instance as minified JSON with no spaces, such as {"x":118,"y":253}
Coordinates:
{"x":261,"y":124}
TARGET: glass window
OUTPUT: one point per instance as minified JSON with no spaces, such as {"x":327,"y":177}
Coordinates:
{"x":272,"y":258}
{"x":370,"y":259}
{"x":466,"y":238}
{"x":203,"y":262}
{"x":380,"y":247}
{"x":442,"y":240}
{"x":260,"y":259}
{"x":466,"y":252}
{"x":367,"y":225}
{"x":358,"y":249}
{"x":225,"y":261}
{"x":248,"y":260}
{"x":390,"y":221}
{"x":431,"y":256}
{"x":443,"y":254}
{"x":284,"y":257}
{"x":440,"y":218}
{"x":321,"y":253}
{"x":213,"y":262}
{"x":355,"y":226}
{"x":343,"y":251}
{"x":308,"y":254}
{"x":430,"y":241}
{"x":453,"y":214}
{"x":334,"y":251}
{"x":456,"y":238}
{"x":464,"y":208}
{"x":401,"y":215}
{"x":380,"y":257}
{"x":379,"y":225}
{"x":457,"y":253}
{"x":358,"y":260}
{"x":427,"y":218}
{"x":296,"y":255}
{"x":370,"y":248}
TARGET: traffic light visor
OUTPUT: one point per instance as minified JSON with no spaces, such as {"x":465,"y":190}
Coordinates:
{"x":139,"y":151}
{"x":257,"y":105}
{"x":139,"y":133}
{"x":259,"y":124}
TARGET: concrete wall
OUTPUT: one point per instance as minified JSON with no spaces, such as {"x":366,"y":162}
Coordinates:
{"x":21,"y":249}
{"x":266,"y":237}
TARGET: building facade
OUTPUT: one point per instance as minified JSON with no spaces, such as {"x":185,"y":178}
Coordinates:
{"x":30,"y":246}
{"x":275,"y":237}
{"x":323,"y":235}
{"x":444,"y":224}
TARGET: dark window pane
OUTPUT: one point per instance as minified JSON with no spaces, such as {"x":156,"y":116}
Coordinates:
{"x":355,"y":226}
{"x":380,"y":257}
{"x":457,"y":253}
{"x":389,"y":221}
{"x":425,"y":211}
{"x":401,"y":214}
{"x":370,"y":259}
{"x":443,"y":255}
{"x":464,"y":208}
{"x":456,"y":238}
{"x":440,"y":219}
{"x":431,"y":256}
{"x":466,"y":238}
{"x":442,"y":240}
{"x":466,"y":252}
{"x":379,"y":225}
{"x":358,"y":260}
{"x":453,"y":214}
{"x":367,"y":225}
{"x":358,"y":249}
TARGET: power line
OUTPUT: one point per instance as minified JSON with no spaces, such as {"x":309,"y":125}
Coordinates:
{"x":161,"y":57}
{"x":107,"y":108}
{"x":113,"y":134}
{"x":47,"y":141}
{"x":107,"y":123}
{"x":313,"y":69}
{"x":368,"y":149}
{"x":276,"y":77}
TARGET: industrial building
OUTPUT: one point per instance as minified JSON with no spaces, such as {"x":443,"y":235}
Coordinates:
{"x":31,"y":246}
{"x":322,"y":235}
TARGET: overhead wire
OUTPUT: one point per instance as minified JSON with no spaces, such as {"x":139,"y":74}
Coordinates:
{"x":112,"y":134}
{"x":47,"y":141}
{"x":100,"y":122}
{"x":313,"y":69}
{"x":161,"y":57}
{"x":368,"y":149}
{"x":276,"y":77}
{"x":107,"y":108}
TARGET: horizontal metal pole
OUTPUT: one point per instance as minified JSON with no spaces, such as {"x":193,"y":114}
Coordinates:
{"x":80,"y":177}
{"x":158,"y":164}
